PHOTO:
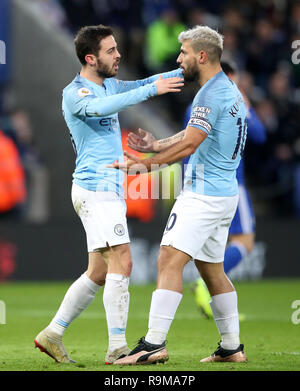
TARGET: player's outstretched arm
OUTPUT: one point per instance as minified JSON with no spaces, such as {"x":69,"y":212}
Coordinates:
{"x":91,"y":106}
{"x":143,"y":141}
{"x":127,"y":85}
{"x":187,"y":146}
{"x":165,"y":143}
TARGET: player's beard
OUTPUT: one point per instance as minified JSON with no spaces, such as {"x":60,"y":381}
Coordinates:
{"x":191,"y":72}
{"x":104,"y":71}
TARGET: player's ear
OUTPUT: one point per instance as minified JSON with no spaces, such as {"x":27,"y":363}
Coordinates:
{"x":202,"y":57}
{"x":90,"y":59}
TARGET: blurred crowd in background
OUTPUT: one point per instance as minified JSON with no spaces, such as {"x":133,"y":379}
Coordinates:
{"x":258,"y":38}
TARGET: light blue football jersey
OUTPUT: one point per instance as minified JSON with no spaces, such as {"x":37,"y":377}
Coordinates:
{"x":219,"y":110}
{"x":91,"y":114}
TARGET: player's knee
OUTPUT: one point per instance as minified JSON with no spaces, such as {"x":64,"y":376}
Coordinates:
{"x":167,"y":261}
{"x":127,"y":267}
{"x":97,"y":277}
{"x":119,"y":260}
{"x":163,"y":259}
{"x":162,"y":264}
{"x":125,"y":259}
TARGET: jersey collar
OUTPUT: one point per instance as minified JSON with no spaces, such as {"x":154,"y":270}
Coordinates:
{"x":81,"y":79}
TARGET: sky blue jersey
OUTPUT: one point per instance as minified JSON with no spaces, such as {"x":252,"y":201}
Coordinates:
{"x":91,"y":114}
{"x":256,"y":133}
{"x":218,"y":109}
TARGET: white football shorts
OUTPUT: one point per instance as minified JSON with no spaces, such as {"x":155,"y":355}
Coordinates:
{"x":198,"y":225}
{"x":103,"y":215}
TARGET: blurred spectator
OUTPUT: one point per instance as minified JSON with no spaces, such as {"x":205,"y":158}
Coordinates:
{"x":294,"y":19}
{"x":8,"y":264}
{"x":138,"y":190}
{"x":124,"y":15}
{"x":162,"y":46}
{"x":12,"y":179}
{"x":265,"y":50}
{"x":151,"y":9}
{"x":18,"y":128}
{"x":254,"y":92}
{"x":232,"y":19}
{"x":267,"y":114}
{"x":79,"y":13}
{"x":232,"y":52}
{"x":199,"y":16}
{"x":36,"y":208}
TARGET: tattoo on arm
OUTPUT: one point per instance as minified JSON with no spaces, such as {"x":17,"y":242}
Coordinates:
{"x":167,"y":142}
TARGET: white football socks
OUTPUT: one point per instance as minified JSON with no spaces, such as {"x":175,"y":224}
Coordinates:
{"x":80,"y":294}
{"x":116,"y":304}
{"x":164,"y":305}
{"x":225,"y":311}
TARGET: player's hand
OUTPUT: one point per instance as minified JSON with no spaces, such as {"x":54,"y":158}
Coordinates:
{"x":132,"y":166}
{"x":141,"y":141}
{"x":171,"y":84}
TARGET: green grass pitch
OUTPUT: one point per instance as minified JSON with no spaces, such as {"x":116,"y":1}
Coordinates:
{"x":272,"y":341}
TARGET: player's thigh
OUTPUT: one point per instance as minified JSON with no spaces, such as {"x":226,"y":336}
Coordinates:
{"x":213,"y":249}
{"x":170,"y":258}
{"x":103,"y":215}
{"x":191,"y":221}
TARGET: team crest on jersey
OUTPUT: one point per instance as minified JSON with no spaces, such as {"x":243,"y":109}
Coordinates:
{"x":119,"y":230}
{"x":82,"y":92}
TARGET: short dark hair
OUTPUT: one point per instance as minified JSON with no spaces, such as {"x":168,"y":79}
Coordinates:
{"x":88,"y":39}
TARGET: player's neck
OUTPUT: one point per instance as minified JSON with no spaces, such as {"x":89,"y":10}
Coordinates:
{"x":208,"y":73}
{"x":90,"y":75}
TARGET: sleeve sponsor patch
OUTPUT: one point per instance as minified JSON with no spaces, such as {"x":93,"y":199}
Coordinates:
{"x":201,"y":110}
{"x":200,"y":122}
{"x":82,"y":92}
{"x":198,"y":117}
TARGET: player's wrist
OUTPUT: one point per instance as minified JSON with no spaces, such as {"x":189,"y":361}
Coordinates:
{"x":155,"y":146}
{"x":154,"y":89}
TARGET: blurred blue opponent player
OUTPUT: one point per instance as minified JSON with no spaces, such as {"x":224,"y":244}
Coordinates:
{"x":91,"y":103}
{"x":242,"y":228}
{"x":199,"y":221}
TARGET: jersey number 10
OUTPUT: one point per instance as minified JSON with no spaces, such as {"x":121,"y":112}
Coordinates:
{"x":241,"y":140}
